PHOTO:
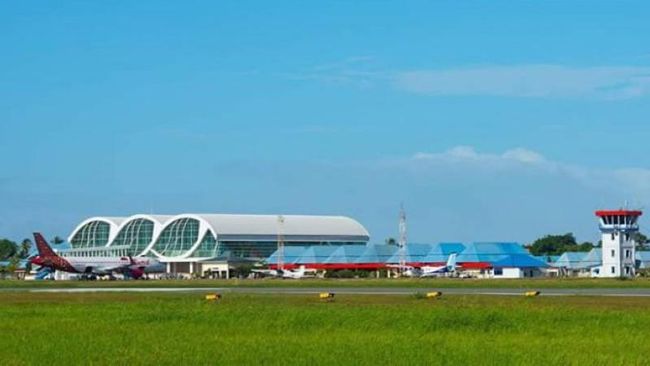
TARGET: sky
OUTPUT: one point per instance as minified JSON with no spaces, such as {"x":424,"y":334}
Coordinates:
{"x":488,"y":121}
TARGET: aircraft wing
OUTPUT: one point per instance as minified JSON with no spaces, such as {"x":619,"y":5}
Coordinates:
{"x":266,"y":272}
{"x":400,"y":267}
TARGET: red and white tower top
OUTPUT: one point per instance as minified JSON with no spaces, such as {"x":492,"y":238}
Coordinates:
{"x":619,"y":220}
{"x":635,"y":213}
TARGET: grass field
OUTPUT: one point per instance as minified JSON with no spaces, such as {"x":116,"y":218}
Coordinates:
{"x":128,"y":328}
{"x":540,"y":283}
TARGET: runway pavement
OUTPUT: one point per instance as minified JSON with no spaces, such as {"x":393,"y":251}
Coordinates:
{"x":609,"y":292}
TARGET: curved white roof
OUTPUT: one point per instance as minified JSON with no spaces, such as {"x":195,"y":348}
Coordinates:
{"x":227,"y":226}
{"x":114,"y":223}
{"x":242,"y":228}
{"x":158,"y":221}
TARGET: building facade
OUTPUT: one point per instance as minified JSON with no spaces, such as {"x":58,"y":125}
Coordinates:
{"x":618,"y":229}
{"x":196,"y":243}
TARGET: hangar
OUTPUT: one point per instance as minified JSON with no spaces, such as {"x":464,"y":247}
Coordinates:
{"x":480,"y":259}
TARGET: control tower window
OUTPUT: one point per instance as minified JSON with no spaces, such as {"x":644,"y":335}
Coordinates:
{"x":613,"y":253}
{"x":628,"y":254}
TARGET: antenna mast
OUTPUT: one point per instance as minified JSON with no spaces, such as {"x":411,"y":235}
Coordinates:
{"x":280,"y":255}
{"x":402,"y":238}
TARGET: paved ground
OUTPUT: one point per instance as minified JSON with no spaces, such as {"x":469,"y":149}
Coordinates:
{"x":632,"y":292}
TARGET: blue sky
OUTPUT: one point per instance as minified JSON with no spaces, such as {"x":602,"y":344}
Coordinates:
{"x":490,"y":121}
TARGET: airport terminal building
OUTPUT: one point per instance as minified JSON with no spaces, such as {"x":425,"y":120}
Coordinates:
{"x":196,"y":243}
{"x":212,"y":244}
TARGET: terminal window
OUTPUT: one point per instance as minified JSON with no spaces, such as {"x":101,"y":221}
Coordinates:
{"x":613,"y":253}
{"x":613,"y":269}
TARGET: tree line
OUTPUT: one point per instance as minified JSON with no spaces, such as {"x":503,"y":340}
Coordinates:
{"x":558,"y":244}
{"x":13,"y":253}
{"x":562,"y":243}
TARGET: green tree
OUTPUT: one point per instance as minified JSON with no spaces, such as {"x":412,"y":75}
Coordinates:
{"x":7,"y":249}
{"x":641,"y":241}
{"x":57,"y":240}
{"x":25,"y":246}
{"x":558,"y":244}
{"x":391,"y":241}
{"x":13,"y":264}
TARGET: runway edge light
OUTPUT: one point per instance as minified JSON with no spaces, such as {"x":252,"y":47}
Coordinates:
{"x":326,"y":296}
{"x":213,"y":297}
{"x":434,"y":295}
{"x":532,"y":293}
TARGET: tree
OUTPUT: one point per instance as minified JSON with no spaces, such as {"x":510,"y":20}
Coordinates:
{"x":558,"y":244}
{"x":57,"y":240}
{"x":391,"y":241}
{"x":13,"y":264}
{"x":641,"y":241}
{"x":7,"y":249}
{"x":25,"y":246}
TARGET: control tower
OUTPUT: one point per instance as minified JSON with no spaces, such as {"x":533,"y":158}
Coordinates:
{"x":618,"y":228}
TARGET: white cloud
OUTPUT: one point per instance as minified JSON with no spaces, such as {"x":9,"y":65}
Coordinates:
{"x":468,"y":153}
{"x":524,"y":156}
{"x":633,"y":183}
{"x":527,"y":80}
{"x":533,"y":81}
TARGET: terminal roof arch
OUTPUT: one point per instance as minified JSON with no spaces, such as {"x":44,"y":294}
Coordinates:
{"x":296,"y":228}
{"x":86,"y":233}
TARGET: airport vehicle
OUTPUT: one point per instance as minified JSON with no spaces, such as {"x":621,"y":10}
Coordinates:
{"x":296,"y":274}
{"x":429,"y":271}
{"x":91,"y":267}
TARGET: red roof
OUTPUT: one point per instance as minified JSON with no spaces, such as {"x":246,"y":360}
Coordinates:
{"x":618,"y":213}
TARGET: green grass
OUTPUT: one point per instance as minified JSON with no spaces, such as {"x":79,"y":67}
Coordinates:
{"x":540,"y":283}
{"x":173,"y":329}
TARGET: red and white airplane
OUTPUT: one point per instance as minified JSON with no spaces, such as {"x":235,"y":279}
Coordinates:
{"x":90,"y":267}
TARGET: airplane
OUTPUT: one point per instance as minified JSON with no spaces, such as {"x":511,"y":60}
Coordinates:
{"x":429,"y":271}
{"x":296,"y":274}
{"x":91,"y":267}
{"x":450,"y":267}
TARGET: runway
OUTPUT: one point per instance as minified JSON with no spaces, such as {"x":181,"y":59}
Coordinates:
{"x":606,"y":292}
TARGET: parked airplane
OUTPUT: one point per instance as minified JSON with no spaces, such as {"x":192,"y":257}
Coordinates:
{"x":450,"y":267}
{"x":429,"y":271}
{"x":296,"y":274}
{"x":90,"y":267}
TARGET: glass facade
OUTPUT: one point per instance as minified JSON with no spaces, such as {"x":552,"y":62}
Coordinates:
{"x":93,"y":234}
{"x":178,"y":237}
{"x":208,"y":247}
{"x":257,"y":250}
{"x":244,"y":250}
{"x":137,"y":234}
{"x":96,"y":252}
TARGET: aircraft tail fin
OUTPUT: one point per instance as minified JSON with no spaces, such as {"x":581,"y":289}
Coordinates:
{"x":44,"y":249}
{"x":451,"y":262}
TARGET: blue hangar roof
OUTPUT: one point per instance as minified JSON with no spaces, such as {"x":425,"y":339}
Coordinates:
{"x":495,"y":254}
